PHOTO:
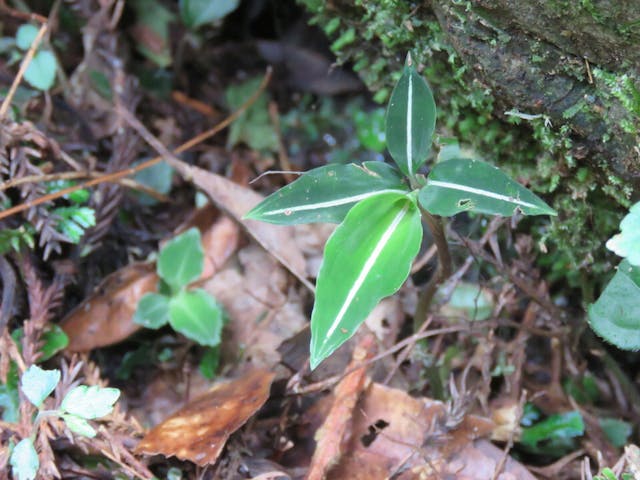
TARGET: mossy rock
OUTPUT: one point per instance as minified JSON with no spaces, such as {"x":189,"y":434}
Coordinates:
{"x":549,"y":90}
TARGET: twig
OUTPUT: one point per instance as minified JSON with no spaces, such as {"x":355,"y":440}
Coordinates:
{"x":327,"y":383}
{"x":132,"y":170}
{"x":282,"y":149}
{"x":23,"y":68}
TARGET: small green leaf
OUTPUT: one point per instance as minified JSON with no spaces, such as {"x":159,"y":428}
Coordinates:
{"x":556,"y":427}
{"x":367,"y":258}
{"x":627,"y":243}
{"x":158,"y":177}
{"x":461,"y":185}
{"x":616,"y":314}
{"x":151,"y":30}
{"x":370,"y":129}
{"x":74,"y":221}
{"x":467,"y":300}
{"x":41,"y":72}
{"x":24,"y":460}
{"x":37,"y":384}
{"x":152,"y":311}
{"x":10,"y":396}
{"x":25,"y":36}
{"x":411,"y":120}
{"x":181,"y":260}
{"x":79,"y":425}
{"x":196,"y":13}
{"x":209,"y":362}
{"x":617,"y":431}
{"x":326,"y":194}
{"x":90,"y":402}
{"x":54,"y":340}
{"x":197,"y":316}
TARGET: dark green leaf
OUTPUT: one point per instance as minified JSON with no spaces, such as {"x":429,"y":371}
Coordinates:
{"x":616,"y":314}
{"x":196,"y":13}
{"x":10,"y":397}
{"x":367,"y":258}
{"x":556,"y":427}
{"x":152,"y":311}
{"x":197,"y":316}
{"x":617,"y":431}
{"x":54,"y":340}
{"x":411,"y":120}
{"x":181,"y":260}
{"x":209,"y":362}
{"x":326,"y":194}
{"x":460,"y":185}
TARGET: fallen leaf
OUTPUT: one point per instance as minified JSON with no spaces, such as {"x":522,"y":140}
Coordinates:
{"x":199,"y":431}
{"x":263,"y":310}
{"x":106,"y":317}
{"x":335,"y":429}
{"x":394,"y":435}
{"x":236,"y":200}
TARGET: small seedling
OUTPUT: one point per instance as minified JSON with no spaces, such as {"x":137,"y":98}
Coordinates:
{"x":79,"y":405}
{"x":380,"y":210}
{"x":616,"y":314}
{"x":41,"y":72}
{"x":193,"y":313}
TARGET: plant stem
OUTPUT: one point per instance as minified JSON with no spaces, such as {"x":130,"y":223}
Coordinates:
{"x":444,"y":268}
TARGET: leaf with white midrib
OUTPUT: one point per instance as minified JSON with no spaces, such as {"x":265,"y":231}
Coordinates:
{"x":367,"y":258}
{"x":327,"y":193}
{"x":462,"y":184}
{"x":410,"y":121}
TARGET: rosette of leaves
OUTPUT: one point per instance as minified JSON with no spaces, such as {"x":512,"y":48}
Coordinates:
{"x":379,"y":208}
{"x":194,"y":313}
{"x":80,"y":405}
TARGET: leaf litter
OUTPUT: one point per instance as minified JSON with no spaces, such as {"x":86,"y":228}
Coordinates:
{"x":266,"y":415}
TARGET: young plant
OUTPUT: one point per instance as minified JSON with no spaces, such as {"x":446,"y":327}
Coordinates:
{"x":41,"y":72}
{"x":79,"y":405}
{"x":193,"y":313}
{"x":616,"y":314}
{"x":380,"y":207}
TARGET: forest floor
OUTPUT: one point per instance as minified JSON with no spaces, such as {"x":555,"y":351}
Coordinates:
{"x":160,"y":119}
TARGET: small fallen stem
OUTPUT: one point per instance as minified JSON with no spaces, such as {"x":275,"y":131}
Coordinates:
{"x":112,"y":177}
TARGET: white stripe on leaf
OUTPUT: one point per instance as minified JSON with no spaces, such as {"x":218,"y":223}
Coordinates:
{"x":409,"y":126}
{"x":329,"y":203}
{"x":384,"y":239}
{"x":484,"y":193}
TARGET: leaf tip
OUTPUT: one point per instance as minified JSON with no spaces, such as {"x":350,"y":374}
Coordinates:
{"x":409,"y":60}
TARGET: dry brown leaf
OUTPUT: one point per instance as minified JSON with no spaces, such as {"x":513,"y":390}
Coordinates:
{"x":396,"y":435}
{"x":263,"y":310}
{"x":334,"y":431}
{"x":106,"y":317}
{"x":236,"y":200}
{"x":199,"y":431}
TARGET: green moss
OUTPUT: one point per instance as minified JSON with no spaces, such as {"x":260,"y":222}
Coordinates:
{"x":541,"y":157}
